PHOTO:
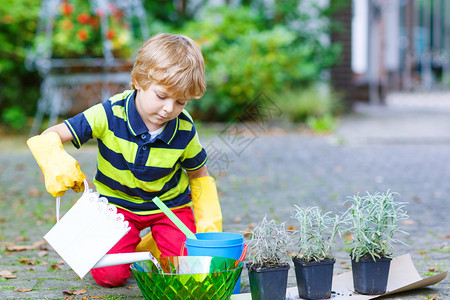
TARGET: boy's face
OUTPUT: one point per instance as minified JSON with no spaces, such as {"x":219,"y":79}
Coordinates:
{"x":156,"y":107}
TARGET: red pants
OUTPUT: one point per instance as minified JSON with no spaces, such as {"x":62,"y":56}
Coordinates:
{"x":167,"y":236}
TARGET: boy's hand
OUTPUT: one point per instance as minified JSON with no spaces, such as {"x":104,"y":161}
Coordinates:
{"x":208,"y":215}
{"x":61,"y":171}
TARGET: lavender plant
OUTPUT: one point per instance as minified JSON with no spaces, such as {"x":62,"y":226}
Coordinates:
{"x":269,"y":244}
{"x":373,"y":220}
{"x":316,"y":234}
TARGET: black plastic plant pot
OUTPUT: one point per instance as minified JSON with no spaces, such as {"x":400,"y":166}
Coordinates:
{"x":268,"y":284}
{"x":314,"y":279}
{"x":370,"y":277}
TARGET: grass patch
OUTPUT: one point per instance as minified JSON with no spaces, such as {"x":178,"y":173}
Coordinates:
{"x":441,"y":250}
{"x":436,"y":269}
{"x":316,"y":103}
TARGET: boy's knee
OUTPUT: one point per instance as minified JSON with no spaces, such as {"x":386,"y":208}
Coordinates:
{"x":113,"y":276}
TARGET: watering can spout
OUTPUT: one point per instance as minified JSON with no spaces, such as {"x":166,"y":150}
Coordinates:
{"x":122,"y":258}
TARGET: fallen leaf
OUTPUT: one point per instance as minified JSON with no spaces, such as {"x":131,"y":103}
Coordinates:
{"x":237,"y":220}
{"x":27,"y":261}
{"x":431,"y":269}
{"x":347,"y":268}
{"x":60,"y":262}
{"x":55,"y":267}
{"x":69,"y":297}
{"x":42,"y":253}
{"x":80,"y":292}
{"x":7,"y":274}
{"x":445,"y":236}
{"x":18,"y":248}
{"x":24,"y":290}
{"x":34,"y":192}
{"x":291,"y":228}
{"x":44,"y":263}
{"x":24,"y":260}
{"x":67,"y":292}
{"x":343,"y":262}
{"x":39,"y":243}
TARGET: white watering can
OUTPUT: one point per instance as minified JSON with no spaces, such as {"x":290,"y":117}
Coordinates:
{"x":91,"y":228}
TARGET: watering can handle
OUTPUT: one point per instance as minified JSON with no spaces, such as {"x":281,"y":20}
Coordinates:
{"x":182,"y":249}
{"x":58,"y":205}
{"x":244,"y":253}
{"x":241,"y":259}
{"x":58,"y":200}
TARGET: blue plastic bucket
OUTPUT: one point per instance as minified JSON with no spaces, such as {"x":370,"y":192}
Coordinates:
{"x":219,"y":244}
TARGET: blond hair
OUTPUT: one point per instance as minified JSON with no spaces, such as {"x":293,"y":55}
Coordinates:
{"x":173,"y":61}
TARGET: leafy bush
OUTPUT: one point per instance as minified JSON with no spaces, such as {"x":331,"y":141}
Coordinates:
{"x":325,"y":124}
{"x":244,"y":58}
{"x":14,"y":117}
{"x":18,"y":86}
{"x":314,"y":102}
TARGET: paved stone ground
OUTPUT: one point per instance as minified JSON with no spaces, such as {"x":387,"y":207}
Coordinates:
{"x":259,"y":171}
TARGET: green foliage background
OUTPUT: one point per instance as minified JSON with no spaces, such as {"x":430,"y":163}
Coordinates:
{"x":19,"y":88}
{"x":249,"y":48}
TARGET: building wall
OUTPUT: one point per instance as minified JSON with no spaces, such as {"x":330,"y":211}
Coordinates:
{"x":342,"y":73}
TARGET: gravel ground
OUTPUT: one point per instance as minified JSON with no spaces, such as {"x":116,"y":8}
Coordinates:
{"x":260,"y":171}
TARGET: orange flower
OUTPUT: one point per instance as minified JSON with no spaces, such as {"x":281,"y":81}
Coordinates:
{"x":83,"y":18}
{"x":67,"y":9}
{"x":93,"y":21}
{"x":67,"y":24}
{"x":82,"y":35}
{"x":111,"y":34}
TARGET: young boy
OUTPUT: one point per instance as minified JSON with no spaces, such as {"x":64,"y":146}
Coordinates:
{"x":147,"y":147}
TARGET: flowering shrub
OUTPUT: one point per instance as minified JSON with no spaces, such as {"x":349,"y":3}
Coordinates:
{"x":77,"y":31}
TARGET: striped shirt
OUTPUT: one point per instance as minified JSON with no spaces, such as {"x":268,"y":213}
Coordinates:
{"x":132,"y":168}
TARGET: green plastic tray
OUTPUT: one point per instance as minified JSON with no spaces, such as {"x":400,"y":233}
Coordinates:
{"x":187,"y":277}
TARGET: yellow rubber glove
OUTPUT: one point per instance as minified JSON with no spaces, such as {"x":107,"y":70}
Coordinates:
{"x":207,"y":212}
{"x":148,"y":243}
{"x":61,"y":171}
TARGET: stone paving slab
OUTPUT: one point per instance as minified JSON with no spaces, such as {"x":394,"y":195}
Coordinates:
{"x":372,"y":150}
